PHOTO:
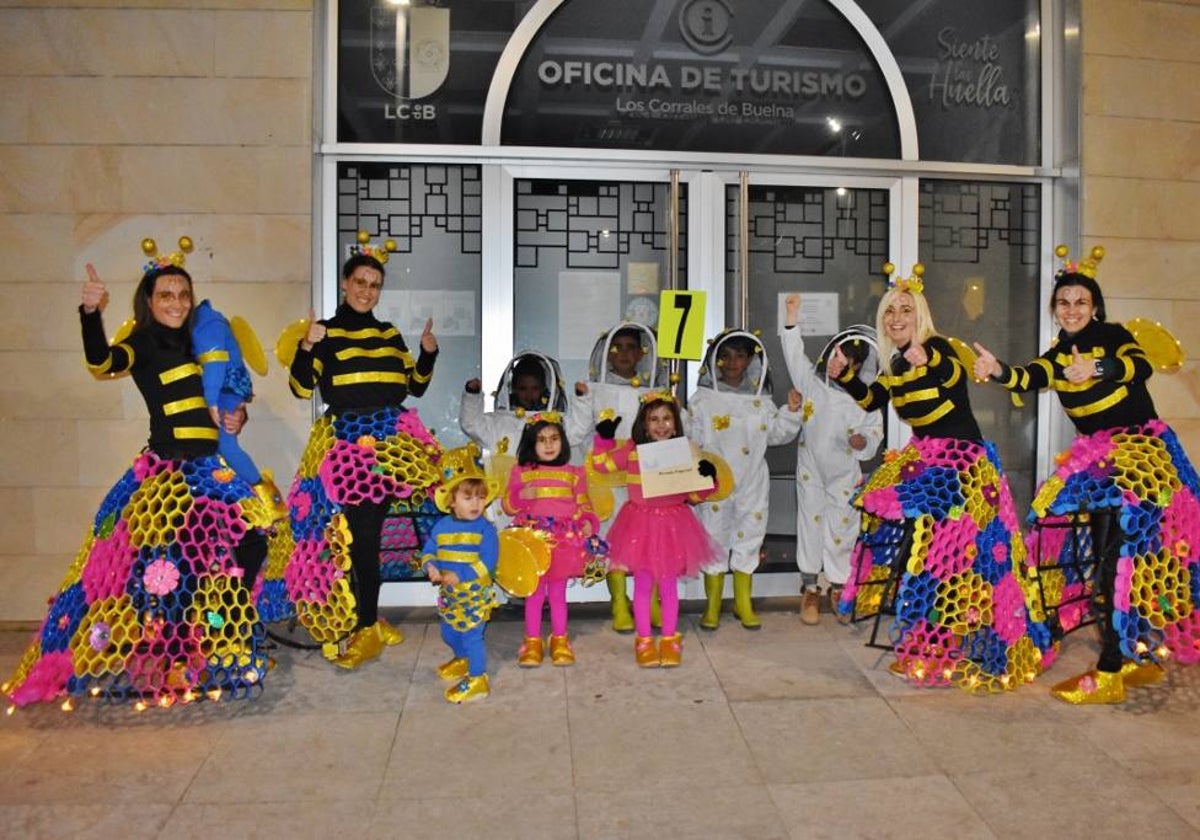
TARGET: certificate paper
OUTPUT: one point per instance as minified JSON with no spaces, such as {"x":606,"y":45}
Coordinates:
{"x":668,"y":467}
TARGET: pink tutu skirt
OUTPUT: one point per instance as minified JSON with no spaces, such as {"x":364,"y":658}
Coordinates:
{"x":667,"y":541}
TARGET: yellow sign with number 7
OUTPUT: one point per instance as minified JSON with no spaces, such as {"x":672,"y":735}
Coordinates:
{"x":681,"y":325}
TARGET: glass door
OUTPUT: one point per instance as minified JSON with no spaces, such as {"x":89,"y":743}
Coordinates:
{"x":827,"y":241}
{"x":589,"y":250}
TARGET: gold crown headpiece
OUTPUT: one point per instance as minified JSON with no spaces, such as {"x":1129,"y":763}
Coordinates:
{"x":458,"y":465}
{"x":1087,"y":266}
{"x":365,"y":248}
{"x":912,"y":285}
{"x":157,"y":260}
{"x":657,"y":396}
{"x":554,"y":417}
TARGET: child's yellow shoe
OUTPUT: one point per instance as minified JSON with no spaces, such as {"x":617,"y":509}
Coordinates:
{"x":645,"y":651}
{"x":560,"y":651}
{"x":531,"y":652}
{"x":453,"y":669}
{"x":1091,"y":688}
{"x":670,"y":651}
{"x":468,"y":689}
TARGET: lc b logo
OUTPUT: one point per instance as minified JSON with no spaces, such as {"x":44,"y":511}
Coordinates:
{"x":410,"y":57}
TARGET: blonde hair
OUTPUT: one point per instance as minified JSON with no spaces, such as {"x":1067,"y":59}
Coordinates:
{"x":924,"y":327}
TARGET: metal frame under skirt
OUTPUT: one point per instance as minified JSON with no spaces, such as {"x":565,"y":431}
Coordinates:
{"x":890,"y":585}
{"x":1080,"y":564}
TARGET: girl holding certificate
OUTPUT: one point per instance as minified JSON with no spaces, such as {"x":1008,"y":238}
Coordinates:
{"x":657,"y":539}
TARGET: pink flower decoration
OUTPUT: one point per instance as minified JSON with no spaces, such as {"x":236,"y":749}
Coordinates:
{"x":160,"y":577}
{"x":1087,"y":683}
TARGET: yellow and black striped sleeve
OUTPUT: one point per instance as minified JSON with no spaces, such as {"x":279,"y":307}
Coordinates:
{"x":1035,"y":376}
{"x":304,"y":372}
{"x":1130,"y":364}
{"x":103,"y":360}
{"x":873,"y":397}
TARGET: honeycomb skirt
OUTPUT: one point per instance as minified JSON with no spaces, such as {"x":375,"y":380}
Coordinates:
{"x":1142,"y":477}
{"x":938,"y":520}
{"x":385,"y":454}
{"x":153,"y":609}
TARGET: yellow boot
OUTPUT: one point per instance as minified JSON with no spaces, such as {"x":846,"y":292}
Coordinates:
{"x":714,"y":589}
{"x":670,"y":651}
{"x":560,"y":651}
{"x":622,"y":618}
{"x":388,"y":634}
{"x":364,"y":646}
{"x":453,"y":669}
{"x":645,"y":652}
{"x":742,"y":608}
{"x":468,"y":689}
{"x":1091,"y":688}
{"x":531,"y":652}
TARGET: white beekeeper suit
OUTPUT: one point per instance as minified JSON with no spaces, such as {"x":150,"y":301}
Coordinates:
{"x":827,"y":467}
{"x":738,"y":423}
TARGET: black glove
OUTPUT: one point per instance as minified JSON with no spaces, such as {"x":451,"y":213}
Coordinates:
{"x":607,"y":429}
{"x":705,"y":468}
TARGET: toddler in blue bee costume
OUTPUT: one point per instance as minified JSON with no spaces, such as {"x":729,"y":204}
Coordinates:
{"x":227,"y":387}
{"x":460,"y":556}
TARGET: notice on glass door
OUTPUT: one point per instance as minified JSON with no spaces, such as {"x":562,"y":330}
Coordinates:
{"x":818,"y":312}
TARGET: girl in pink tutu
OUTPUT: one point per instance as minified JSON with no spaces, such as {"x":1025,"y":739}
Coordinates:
{"x":658,"y":540}
{"x":550,"y":495}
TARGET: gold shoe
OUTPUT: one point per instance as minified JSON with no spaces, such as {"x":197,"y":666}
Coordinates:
{"x":453,"y":669}
{"x":468,"y":689}
{"x":670,"y":651}
{"x":560,"y":651}
{"x":810,"y":607}
{"x":645,"y":652}
{"x":1091,"y":688}
{"x":364,"y":646}
{"x":531,"y":652}
{"x":1134,"y":675}
{"x":388,"y":634}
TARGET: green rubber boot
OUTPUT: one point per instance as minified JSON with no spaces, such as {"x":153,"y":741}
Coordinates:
{"x":622,"y":618}
{"x":741,"y":601}
{"x":714,"y":588}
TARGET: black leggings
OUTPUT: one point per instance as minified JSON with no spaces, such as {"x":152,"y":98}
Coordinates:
{"x":366,"y":529}
{"x":250,"y":554}
{"x":1106,"y":546}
